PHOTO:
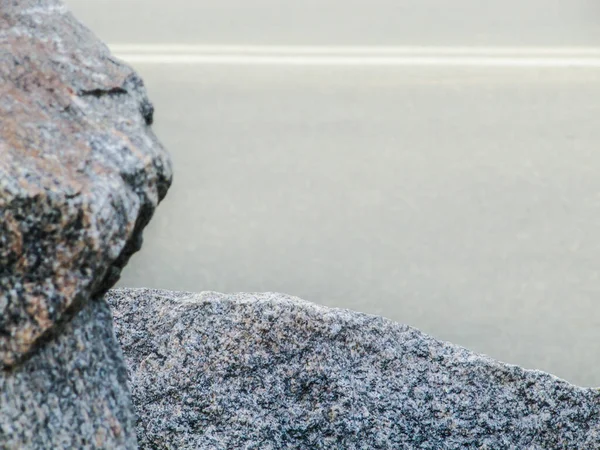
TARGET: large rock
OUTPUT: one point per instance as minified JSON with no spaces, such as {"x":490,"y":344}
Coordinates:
{"x":80,"y":170}
{"x":71,"y":394}
{"x":80,"y":176}
{"x":271,"y":371}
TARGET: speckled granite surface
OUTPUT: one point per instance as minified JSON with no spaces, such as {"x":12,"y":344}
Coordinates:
{"x":72,"y":394}
{"x":271,"y":371}
{"x":80,"y":170}
{"x":80,"y":176}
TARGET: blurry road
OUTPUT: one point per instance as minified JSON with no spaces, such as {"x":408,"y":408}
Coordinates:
{"x":464,"y":201}
{"x":345,"y":22}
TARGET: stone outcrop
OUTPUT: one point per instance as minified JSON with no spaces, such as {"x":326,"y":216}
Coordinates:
{"x":80,"y":169}
{"x":271,"y":371}
{"x":81,"y":174}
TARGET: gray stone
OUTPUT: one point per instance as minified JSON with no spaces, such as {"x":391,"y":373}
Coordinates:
{"x":271,"y":371}
{"x":80,"y":170}
{"x":72,"y":393}
{"x":81,"y":174}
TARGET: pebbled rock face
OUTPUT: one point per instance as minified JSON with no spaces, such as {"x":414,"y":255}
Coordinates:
{"x":271,"y":371}
{"x":80,"y":170}
{"x":72,"y":393}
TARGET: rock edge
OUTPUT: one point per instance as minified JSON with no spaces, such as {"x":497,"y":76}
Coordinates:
{"x":272,"y":371}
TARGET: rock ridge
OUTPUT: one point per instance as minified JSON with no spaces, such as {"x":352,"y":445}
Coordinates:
{"x":271,"y":371}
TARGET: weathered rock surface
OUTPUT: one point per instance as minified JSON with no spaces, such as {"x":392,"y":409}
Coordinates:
{"x":271,"y":371}
{"x":80,"y":176}
{"x":72,"y":393}
{"x":80,"y":170}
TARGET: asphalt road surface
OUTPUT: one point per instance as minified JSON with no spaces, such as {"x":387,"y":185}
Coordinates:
{"x":461,"y":199}
{"x":345,"y":22}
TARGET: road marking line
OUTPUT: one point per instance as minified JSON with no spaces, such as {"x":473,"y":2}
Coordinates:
{"x":349,"y":50}
{"x":586,"y":57}
{"x":349,"y":61}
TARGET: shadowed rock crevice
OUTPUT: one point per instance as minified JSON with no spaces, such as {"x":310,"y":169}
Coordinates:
{"x":134,"y":82}
{"x":102,"y":92}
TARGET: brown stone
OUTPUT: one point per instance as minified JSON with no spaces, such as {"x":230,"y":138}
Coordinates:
{"x":81,"y":171}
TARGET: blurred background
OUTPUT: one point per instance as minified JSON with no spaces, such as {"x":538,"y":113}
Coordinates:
{"x":433,"y":162}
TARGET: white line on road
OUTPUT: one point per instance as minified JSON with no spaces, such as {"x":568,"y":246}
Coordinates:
{"x":349,"y":61}
{"x":586,"y":57}
{"x":350,"y":50}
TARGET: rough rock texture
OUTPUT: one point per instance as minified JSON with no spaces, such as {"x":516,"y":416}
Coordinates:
{"x":80,"y":176}
{"x":270,"y":371}
{"x":80,"y":170}
{"x":72,"y":393}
